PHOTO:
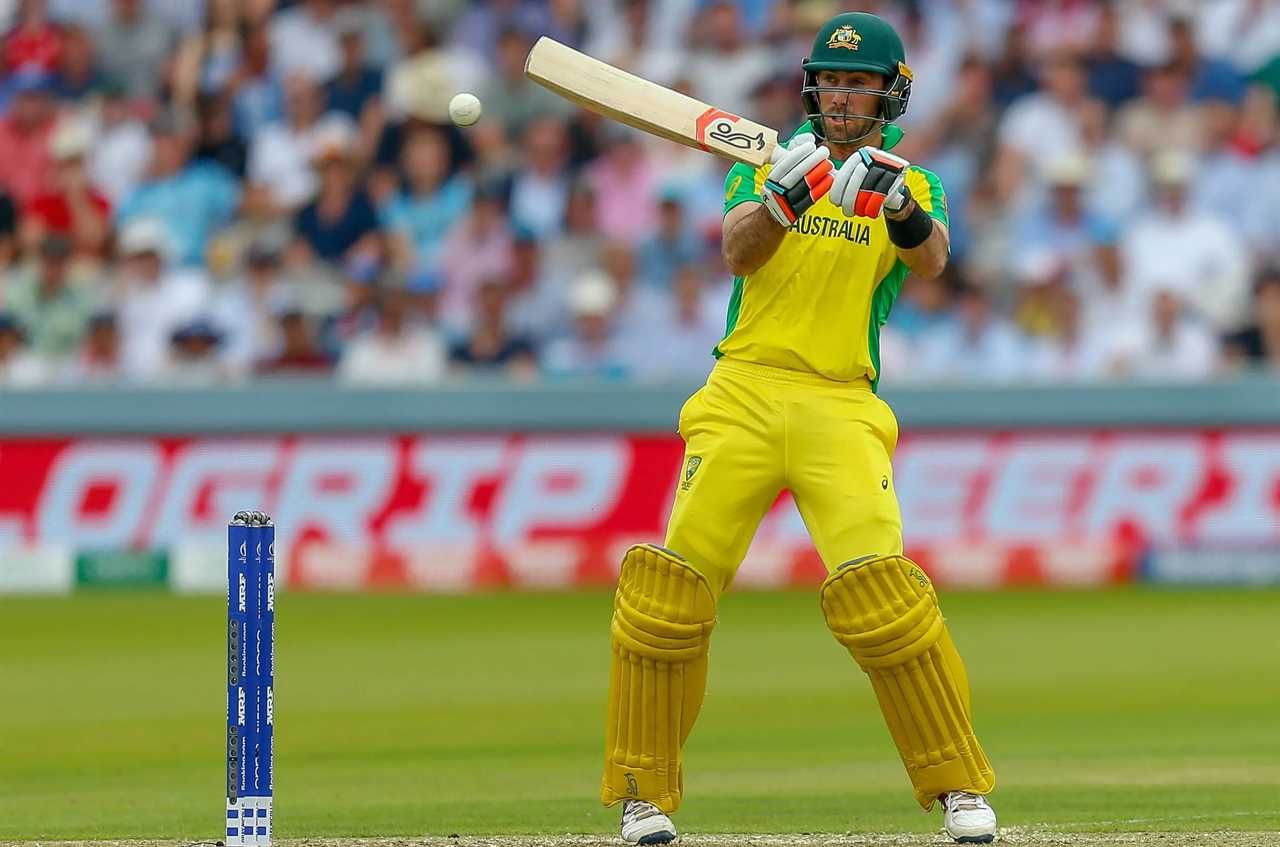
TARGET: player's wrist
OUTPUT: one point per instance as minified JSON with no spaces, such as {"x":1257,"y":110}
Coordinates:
{"x":911,"y":231}
{"x":904,"y":211}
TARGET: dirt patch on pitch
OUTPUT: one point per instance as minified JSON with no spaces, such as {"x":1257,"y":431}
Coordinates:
{"x":1019,"y":836}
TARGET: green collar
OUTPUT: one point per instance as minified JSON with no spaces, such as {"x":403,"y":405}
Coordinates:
{"x":891,"y":134}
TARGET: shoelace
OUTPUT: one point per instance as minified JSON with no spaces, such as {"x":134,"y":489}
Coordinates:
{"x":637,"y":809}
{"x":969,"y":801}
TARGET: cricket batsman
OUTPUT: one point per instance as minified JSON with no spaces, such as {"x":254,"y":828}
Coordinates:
{"x":821,"y":240}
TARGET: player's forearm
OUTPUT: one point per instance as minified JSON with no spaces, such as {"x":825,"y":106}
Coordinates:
{"x":927,"y":258}
{"x":751,"y":239}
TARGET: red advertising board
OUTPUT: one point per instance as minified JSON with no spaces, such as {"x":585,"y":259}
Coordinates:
{"x":452,"y":513}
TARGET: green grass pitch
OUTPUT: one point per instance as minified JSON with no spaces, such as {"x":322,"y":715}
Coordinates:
{"x":1132,"y":709}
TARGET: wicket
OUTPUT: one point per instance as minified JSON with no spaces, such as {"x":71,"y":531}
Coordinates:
{"x":251,"y":639}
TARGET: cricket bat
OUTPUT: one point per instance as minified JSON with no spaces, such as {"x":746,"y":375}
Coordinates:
{"x":601,"y":88}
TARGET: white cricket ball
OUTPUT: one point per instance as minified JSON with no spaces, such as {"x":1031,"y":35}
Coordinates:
{"x":464,"y":109}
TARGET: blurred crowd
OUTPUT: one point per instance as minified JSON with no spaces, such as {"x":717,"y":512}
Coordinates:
{"x":203,"y":192}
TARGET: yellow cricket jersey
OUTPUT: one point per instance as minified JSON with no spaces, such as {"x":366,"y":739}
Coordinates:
{"x":818,"y":304}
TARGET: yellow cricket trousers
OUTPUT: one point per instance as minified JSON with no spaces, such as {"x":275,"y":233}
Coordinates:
{"x":754,"y":430}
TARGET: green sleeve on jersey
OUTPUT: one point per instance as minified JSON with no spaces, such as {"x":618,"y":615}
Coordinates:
{"x":740,"y":186}
{"x":926,"y":188}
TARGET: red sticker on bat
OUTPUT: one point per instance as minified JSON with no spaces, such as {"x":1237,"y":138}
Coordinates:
{"x":717,"y":124}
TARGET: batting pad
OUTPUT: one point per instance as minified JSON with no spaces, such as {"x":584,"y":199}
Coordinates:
{"x":886,"y":613}
{"x":663,"y":613}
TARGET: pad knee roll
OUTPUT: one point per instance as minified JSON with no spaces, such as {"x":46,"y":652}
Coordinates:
{"x":885,"y":612}
{"x":663,"y":613}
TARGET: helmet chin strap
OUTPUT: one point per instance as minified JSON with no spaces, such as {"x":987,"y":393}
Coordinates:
{"x":877,"y":124}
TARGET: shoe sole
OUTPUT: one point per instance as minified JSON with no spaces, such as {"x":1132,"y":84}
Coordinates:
{"x":657,"y":838}
{"x":975,"y":839}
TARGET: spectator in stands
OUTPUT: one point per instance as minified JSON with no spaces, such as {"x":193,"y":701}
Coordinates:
{"x":70,"y":206}
{"x":511,"y":97}
{"x":119,"y":155}
{"x":1210,"y":78}
{"x":193,"y":358}
{"x":51,"y":307}
{"x":300,"y":353}
{"x":418,"y":217}
{"x":1117,"y":184}
{"x":978,"y":346}
{"x":35,"y":42}
{"x":627,"y":40}
{"x":923,"y":305}
{"x":1013,"y":73}
{"x":1061,"y":228}
{"x":1258,"y":345}
{"x":541,"y":185}
{"x":593,"y":350}
{"x":477,"y":247}
{"x":135,"y":47}
{"x":1163,"y":117}
{"x":1193,"y":252}
{"x":1170,"y":345}
{"x":303,"y":40}
{"x":244,"y":308}
{"x":481,"y":28}
{"x":1041,"y":127}
{"x":536,"y":307}
{"x":625,"y":182}
{"x":217,"y":141}
{"x":726,"y":65}
{"x":340,"y":223}
{"x":281,"y":154}
{"x":689,"y":328}
{"x":78,"y":75}
{"x":356,"y":90}
{"x":396,"y":352}
{"x":154,"y":299}
{"x":638,"y":305}
{"x":257,"y":92}
{"x":19,"y":367}
{"x":491,"y":346}
{"x":1073,"y":351}
{"x":205,"y":63}
{"x":1240,"y":156}
{"x":194,"y":199}
{"x":26,"y":167}
{"x":1113,"y":76}
{"x":958,"y":141}
{"x":673,"y":245}
{"x":99,"y":358}
{"x":580,"y":242}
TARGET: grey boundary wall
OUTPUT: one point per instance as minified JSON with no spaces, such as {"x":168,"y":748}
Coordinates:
{"x":303,"y":406}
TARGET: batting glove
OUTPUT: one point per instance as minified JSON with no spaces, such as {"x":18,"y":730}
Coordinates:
{"x":801,"y":175}
{"x":870,"y":181}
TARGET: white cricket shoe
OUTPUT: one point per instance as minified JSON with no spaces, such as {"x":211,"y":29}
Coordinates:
{"x":645,"y":823}
{"x":968,"y":818}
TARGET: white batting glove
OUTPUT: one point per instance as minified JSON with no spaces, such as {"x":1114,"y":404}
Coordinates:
{"x":801,"y":175}
{"x":871,"y":180}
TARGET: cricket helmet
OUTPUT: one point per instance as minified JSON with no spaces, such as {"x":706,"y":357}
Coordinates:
{"x":857,"y":41}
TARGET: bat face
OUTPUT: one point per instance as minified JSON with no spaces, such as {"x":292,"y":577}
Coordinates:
{"x":645,"y":105}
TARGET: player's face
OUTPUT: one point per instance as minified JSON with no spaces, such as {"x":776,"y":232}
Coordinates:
{"x":852,"y":103}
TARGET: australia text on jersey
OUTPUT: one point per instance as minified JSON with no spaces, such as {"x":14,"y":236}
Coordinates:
{"x":857,"y":233}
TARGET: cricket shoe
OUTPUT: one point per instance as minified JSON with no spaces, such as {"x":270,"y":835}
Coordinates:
{"x":645,"y":823}
{"x":968,"y":818}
